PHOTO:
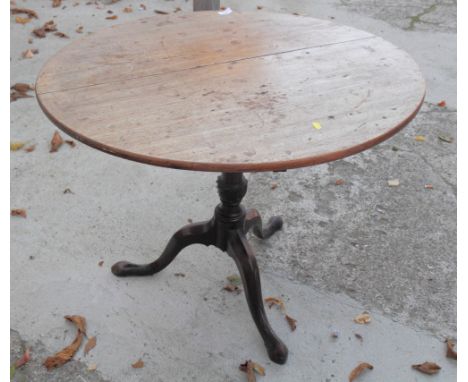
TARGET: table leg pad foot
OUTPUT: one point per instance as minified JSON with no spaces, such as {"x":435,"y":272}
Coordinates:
{"x":124,"y":268}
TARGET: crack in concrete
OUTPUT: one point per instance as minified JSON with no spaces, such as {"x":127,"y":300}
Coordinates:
{"x":417,"y":18}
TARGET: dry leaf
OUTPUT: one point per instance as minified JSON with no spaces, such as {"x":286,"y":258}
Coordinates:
{"x":19,"y":90}
{"x":28,"y":54}
{"x":26,"y":11}
{"x":234,"y":279}
{"x":275,"y":301}
{"x":259,"y":369}
{"x":18,"y":212}
{"x":101,"y":263}
{"x":363,"y":318}
{"x":90,"y":345}
{"x":30,"y":149}
{"x":49,"y":26}
{"x":128,"y":9}
{"x":79,"y":29}
{"x":22,"y":88}
{"x":67,"y":191}
{"x":56,"y":142}
{"x":359,"y":337}
{"x":442,"y":104}
{"x":22,"y":20}
{"x":56,"y":3}
{"x":15,"y":146}
{"x":114,"y":17}
{"x":292,"y":322}
{"x":420,"y":138}
{"x":70,"y":143}
{"x":316,"y":125}
{"x":177,"y":9}
{"x":160,"y":12}
{"x":445,"y":138}
{"x":357,"y":371}
{"x":61,"y":35}
{"x":339,"y":182}
{"x":274,"y":186}
{"x":231,"y":288}
{"x":68,"y":352}
{"x":14,"y":95}
{"x":259,"y":7}
{"x":451,"y":353}
{"x":23,"y":360}
{"x":143,"y":7}
{"x":92,"y":367}
{"x":248,"y":368}
{"x":427,"y":367}
{"x":393,"y":182}
{"x":179,"y":274}
{"x":138,"y":364}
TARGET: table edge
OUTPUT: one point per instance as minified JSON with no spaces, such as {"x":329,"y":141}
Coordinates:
{"x":234,"y":167}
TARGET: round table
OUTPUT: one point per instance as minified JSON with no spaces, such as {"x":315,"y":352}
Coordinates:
{"x":232,"y":93}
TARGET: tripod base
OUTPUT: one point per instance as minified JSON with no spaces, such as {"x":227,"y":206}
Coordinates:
{"x":226,"y":230}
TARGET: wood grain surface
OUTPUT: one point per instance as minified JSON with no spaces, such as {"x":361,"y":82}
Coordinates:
{"x":239,"y":92}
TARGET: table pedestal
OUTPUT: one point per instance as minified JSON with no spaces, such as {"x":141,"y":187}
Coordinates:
{"x":226,"y":230}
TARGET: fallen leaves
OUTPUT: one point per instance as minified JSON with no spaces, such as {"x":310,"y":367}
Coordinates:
{"x":22,"y":20}
{"x":25,"y":11}
{"x":231,"y":288}
{"x":251,"y":368}
{"x":138,"y":364}
{"x":92,"y":367}
{"x":363,"y":318}
{"x":23,"y":360}
{"x":442,"y":104}
{"x":271,"y":301}
{"x":234,"y":282}
{"x":49,"y":26}
{"x":20,"y":90}
{"x":339,"y":182}
{"x":66,"y":354}
{"x":451,"y":353}
{"x":445,"y":138}
{"x":358,"y":370}
{"x":275,"y":301}
{"x":15,"y":146}
{"x":18,"y":212}
{"x":316,"y":125}
{"x":160,"y":12}
{"x":90,"y":345}
{"x":100,"y":263}
{"x":427,"y":367}
{"x":30,"y":53}
{"x":56,"y":3}
{"x":292,"y":322}
{"x":393,"y":182}
{"x":61,"y":35}
{"x":128,"y":9}
{"x":56,"y":142}
{"x":113,"y":17}
{"x":79,"y":29}
{"x":274,"y":186}
{"x":420,"y":138}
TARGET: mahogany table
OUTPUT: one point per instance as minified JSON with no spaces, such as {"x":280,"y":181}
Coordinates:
{"x":235,"y":93}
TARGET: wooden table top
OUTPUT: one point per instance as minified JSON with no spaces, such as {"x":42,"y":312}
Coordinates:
{"x":230,"y":93}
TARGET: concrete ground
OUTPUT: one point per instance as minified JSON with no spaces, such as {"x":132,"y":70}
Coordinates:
{"x":344,"y":249}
